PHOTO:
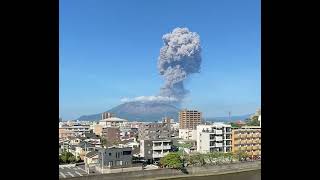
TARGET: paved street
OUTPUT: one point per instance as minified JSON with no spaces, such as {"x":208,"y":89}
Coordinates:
{"x":65,"y":172}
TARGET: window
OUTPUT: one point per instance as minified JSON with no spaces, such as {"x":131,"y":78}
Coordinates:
{"x":128,"y":152}
{"x":109,"y":154}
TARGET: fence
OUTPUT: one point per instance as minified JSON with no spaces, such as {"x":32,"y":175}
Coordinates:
{"x":166,"y":173}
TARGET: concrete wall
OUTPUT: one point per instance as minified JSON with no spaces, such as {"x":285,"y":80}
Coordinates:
{"x":166,"y":173}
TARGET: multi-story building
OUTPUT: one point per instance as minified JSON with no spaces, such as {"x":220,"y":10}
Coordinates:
{"x":64,"y":134}
{"x":76,"y":129}
{"x":188,"y":134}
{"x":106,"y":115}
{"x":155,"y":131}
{"x":108,"y":120}
{"x":214,"y":137}
{"x":248,"y":139}
{"x":189,"y":119}
{"x":153,"y":150}
{"x":111,"y":134}
{"x":115,"y":156}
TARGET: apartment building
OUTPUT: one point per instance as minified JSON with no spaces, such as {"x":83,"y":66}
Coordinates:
{"x":188,"y":134}
{"x":155,"y":131}
{"x":77,"y":129}
{"x":189,"y":119}
{"x":248,"y":139}
{"x":64,"y":134}
{"x":111,"y":134}
{"x":214,"y":137}
{"x":153,"y":150}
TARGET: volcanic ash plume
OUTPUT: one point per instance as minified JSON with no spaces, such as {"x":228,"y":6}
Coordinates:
{"x":179,"y":57}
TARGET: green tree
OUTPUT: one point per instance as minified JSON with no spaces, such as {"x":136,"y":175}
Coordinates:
{"x":66,"y":157}
{"x":72,"y":159}
{"x":171,"y":160}
{"x":241,"y":155}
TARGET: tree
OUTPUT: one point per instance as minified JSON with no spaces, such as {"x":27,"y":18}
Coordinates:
{"x":66,"y":157}
{"x":241,"y":155}
{"x":171,"y":160}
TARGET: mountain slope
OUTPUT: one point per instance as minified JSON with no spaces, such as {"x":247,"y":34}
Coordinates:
{"x":139,"y":111}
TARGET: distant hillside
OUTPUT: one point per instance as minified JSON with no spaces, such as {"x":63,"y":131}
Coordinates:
{"x":138,"y":111}
{"x":226,"y":118}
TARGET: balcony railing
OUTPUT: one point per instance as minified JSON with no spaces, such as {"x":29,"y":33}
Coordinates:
{"x":243,"y":148}
{"x":243,"y":135}
{"x":159,"y":155}
{"x":161,"y":147}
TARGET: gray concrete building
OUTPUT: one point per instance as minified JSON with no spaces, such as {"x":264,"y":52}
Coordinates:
{"x":155,"y":131}
{"x":115,"y":156}
{"x":153,"y":150}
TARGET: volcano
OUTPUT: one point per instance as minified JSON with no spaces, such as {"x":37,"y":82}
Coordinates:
{"x":139,"y":111}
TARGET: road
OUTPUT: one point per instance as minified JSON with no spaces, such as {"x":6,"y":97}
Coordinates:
{"x":66,"y":172}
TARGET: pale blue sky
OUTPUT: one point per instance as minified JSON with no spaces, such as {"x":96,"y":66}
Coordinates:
{"x":109,"y":50}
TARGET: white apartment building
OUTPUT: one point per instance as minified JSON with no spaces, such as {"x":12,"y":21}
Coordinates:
{"x":188,"y":134}
{"x":214,"y":137}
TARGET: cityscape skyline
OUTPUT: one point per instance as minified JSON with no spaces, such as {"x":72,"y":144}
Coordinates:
{"x":109,"y":51}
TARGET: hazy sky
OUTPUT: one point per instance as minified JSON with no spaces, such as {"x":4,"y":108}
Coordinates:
{"x":109,"y":50}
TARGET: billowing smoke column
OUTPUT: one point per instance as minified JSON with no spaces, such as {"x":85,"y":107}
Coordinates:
{"x":179,"y":57}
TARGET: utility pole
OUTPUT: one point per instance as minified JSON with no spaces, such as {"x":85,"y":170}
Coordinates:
{"x":102,"y":163}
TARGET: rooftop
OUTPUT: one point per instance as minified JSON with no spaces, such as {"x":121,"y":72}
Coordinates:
{"x":113,"y":119}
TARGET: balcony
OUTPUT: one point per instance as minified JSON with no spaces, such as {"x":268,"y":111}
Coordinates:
{"x":249,"y":148}
{"x":249,"y":141}
{"x":218,"y":144}
{"x":161,"y":147}
{"x":243,"y":148}
{"x":159,"y":155}
{"x":243,"y":135}
{"x":237,"y":142}
{"x":237,"y":136}
{"x":167,"y":147}
{"x":254,"y":147}
{"x":218,"y":138}
{"x":218,"y":131}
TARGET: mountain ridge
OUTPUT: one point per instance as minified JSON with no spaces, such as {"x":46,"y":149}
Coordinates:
{"x":151,"y":111}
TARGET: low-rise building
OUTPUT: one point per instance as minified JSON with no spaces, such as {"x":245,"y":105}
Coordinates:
{"x":92,"y":158}
{"x":247,"y":139}
{"x":115,"y":156}
{"x":153,"y":150}
{"x":214,"y":138}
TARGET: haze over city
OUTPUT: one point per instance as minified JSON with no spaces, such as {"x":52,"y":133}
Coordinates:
{"x":109,"y":54}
